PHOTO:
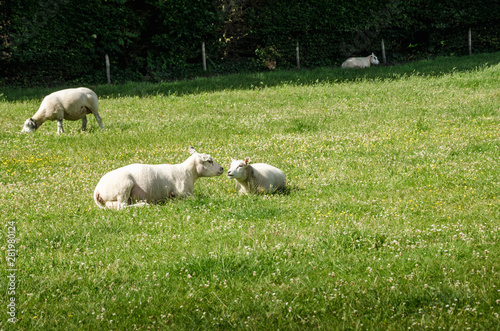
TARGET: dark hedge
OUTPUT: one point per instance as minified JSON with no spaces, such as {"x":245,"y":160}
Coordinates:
{"x":65,"y":41}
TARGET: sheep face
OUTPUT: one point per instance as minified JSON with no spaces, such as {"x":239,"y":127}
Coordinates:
{"x":29,"y":126}
{"x":205,"y":165}
{"x":373,"y":59}
{"x":238,"y":168}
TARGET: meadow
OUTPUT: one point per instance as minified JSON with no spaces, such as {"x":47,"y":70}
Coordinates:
{"x":391,"y":220}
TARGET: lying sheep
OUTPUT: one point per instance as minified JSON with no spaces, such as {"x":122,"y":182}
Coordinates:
{"x":70,"y":104}
{"x":153,"y":183}
{"x":360,"y":62}
{"x":256,"y":178}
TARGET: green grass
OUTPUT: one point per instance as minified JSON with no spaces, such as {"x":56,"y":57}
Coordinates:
{"x":391,"y":220}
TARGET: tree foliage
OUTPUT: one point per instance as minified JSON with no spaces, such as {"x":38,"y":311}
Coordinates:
{"x":54,"y":41}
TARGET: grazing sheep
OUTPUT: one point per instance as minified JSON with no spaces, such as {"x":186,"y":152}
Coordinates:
{"x":360,"y":62}
{"x":153,"y":183}
{"x":70,"y":104}
{"x":256,"y":178}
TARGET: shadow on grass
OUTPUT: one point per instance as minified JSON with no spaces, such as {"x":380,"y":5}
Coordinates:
{"x":247,"y":81}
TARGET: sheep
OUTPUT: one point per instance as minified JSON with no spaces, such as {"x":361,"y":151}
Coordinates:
{"x":69,"y":104}
{"x":153,"y":183}
{"x":256,"y":178}
{"x":360,"y":62}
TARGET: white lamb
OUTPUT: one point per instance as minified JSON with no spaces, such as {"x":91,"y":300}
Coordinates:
{"x":256,"y":178}
{"x":360,"y":62}
{"x":69,"y":104}
{"x":153,"y":183}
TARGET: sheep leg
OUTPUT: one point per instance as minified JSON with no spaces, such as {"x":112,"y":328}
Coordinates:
{"x":119,"y":203}
{"x":139,"y":204}
{"x":115,"y":205}
{"x":59,"y":126}
{"x":99,"y":120}
{"x":122,"y":196}
{"x":241,"y":189}
{"x":84,"y":123}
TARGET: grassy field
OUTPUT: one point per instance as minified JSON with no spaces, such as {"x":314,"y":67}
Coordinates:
{"x":391,"y":221}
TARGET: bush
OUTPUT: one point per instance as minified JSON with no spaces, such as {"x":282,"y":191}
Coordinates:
{"x":50,"y":42}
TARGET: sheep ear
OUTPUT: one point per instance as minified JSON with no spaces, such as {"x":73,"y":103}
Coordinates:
{"x":247,"y":160}
{"x":192,"y":150}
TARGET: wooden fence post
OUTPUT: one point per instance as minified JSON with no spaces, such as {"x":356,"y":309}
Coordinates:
{"x":108,"y":74}
{"x":383,"y":53}
{"x":470,"y":41}
{"x":203,"y":56}
{"x":298,"y":56}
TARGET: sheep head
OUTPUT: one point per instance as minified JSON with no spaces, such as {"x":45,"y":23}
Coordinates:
{"x":205,"y":165}
{"x":374,"y":59}
{"x":29,"y":126}
{"x":238,"y":168}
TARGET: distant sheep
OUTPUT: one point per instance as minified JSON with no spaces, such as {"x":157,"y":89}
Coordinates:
{"x":360,"y":62}
{"x":70,"y":104}
{"x":256,"y":178}
{"x":153,"y":183}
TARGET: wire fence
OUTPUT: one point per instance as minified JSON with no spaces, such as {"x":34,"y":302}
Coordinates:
{"x":311,"y":53}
